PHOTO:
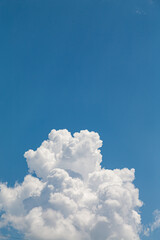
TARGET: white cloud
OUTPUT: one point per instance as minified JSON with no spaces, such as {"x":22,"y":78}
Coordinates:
{"x":72,"y":197}
{"x":154,"y":225}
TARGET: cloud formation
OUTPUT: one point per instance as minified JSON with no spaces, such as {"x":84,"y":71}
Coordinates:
{"x":70,"y":196}
{"x":154,"y":225}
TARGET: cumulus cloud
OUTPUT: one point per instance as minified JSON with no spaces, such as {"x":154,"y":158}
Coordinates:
{"x":67,"y":195}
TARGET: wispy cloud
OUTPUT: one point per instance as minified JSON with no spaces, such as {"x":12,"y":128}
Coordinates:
{"x":154,"y":225}
{"x":4,"y":237}
{"x":140,"y":12}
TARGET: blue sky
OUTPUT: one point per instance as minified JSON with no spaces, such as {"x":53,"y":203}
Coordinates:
{"x":89,"y":64}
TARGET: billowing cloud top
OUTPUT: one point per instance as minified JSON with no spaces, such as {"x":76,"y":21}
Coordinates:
{"x":72,"y":197}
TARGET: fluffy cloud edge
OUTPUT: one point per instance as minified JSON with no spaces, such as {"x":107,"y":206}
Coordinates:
{"x":71,"y":196}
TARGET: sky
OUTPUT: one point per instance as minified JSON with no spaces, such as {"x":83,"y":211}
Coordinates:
{"x":76,"y":65}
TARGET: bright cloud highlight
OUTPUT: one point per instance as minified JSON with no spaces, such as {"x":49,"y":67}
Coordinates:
{"x":72,"y":197}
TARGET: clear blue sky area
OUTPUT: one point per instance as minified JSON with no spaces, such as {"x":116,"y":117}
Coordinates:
{"x":83,"y":64}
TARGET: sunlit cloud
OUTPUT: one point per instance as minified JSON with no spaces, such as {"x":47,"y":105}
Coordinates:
{"x":70,"y":196}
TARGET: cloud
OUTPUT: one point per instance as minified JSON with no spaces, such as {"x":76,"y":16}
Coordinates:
{"x":4,"y":237}
{"x":140,"y":12}
{"x":70,"y":196}
{"x":154,"y":225}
